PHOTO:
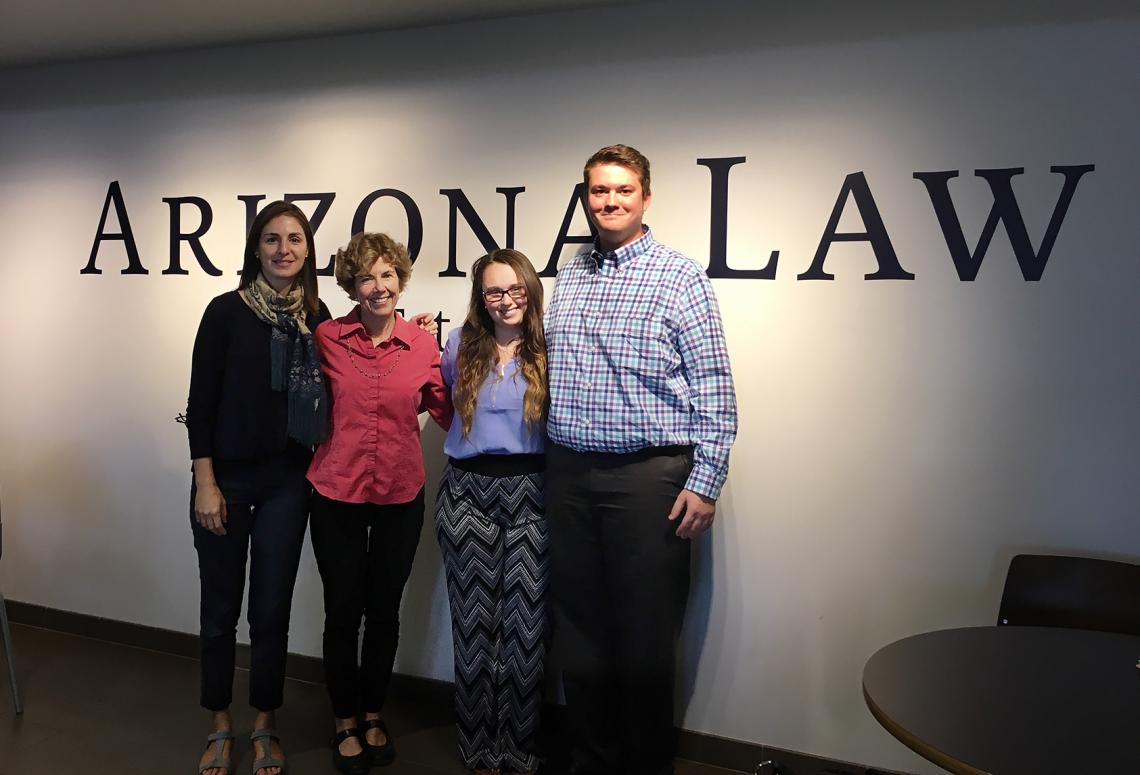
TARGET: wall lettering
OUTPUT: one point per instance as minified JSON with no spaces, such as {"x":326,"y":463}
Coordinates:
{"x":457,"y":203}
{"x":193,"y":239}
{"x":1004,"y":210}
{"x":134,"y":263}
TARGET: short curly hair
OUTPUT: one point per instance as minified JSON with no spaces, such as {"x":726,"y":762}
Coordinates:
{"x":361,"y":254}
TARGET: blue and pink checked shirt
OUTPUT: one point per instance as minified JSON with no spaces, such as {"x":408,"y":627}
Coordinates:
{"x":637,"y":359}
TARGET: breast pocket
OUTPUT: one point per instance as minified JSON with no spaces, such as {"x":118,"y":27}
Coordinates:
{"x":639,"y":348}
{"x":642,"y":353}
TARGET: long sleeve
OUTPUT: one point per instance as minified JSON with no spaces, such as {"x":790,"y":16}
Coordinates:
{"x":207,"y":372}
{"x":435,"y":395}
{"x":449,"y":359}
{"x":704,"y":357}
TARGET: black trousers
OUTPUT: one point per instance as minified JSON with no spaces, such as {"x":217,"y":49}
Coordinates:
{"x":364,"y":553}
{"x":267,"y":505}
{"x":620,"y":581}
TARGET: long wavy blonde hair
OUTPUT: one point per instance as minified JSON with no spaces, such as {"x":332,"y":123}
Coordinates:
{"x":477,"y":354}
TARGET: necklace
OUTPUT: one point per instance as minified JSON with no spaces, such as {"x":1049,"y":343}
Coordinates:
{"x":510,"y":348}
{"x":380,"y":375}
{"x":506,"y":354}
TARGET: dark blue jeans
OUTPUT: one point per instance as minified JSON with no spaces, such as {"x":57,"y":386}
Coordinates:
{"x":267,"y":503}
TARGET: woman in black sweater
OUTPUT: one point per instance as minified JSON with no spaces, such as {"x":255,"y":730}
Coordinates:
{"x":257,"y":406}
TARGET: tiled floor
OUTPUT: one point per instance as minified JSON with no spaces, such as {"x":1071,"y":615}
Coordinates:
{"x":99,"y":708}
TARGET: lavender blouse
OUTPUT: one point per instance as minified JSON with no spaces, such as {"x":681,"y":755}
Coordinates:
{"x":498,"y":427}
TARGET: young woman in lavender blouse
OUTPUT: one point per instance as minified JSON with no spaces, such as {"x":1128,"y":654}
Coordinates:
{"x":490,"y":514}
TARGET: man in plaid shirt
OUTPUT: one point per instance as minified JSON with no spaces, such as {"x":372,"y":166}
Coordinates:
{"x":642,"y":418}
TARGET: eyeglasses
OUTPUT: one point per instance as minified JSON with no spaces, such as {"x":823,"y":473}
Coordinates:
{"x":495,"y":295}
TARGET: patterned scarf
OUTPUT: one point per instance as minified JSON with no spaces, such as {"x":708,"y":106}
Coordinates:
{"x":293,"y":362}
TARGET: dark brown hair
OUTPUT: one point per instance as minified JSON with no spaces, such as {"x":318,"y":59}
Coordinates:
{"x":251,"y":264}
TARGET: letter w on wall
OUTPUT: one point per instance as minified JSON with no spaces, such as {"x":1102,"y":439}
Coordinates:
{"x":1006,"y":211}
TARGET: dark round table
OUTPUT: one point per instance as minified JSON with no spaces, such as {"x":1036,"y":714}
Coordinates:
{"x":1012,"y":700}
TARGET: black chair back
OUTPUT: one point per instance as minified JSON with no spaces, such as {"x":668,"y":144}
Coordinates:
{"x":1079,"y":592}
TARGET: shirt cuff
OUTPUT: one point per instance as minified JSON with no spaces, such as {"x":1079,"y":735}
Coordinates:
{"x":705,"y":481}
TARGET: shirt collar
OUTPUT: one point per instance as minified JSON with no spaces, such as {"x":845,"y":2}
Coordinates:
{"x":625,"y":254}
{"x":402,"y":331}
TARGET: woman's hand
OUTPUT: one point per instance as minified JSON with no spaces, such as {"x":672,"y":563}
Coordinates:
{"x":209,"y":503}
{"x":210,"y":509}
{"x":426,"y":321}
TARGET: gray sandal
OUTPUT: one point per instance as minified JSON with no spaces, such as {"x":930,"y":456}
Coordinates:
{"x":269,"y":760}
{"x":220,"y":760}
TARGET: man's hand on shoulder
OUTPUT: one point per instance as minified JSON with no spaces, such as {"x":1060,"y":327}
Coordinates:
{"x":697,"y":513}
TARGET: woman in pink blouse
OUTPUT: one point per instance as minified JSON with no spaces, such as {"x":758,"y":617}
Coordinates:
{"x":368,"y":508}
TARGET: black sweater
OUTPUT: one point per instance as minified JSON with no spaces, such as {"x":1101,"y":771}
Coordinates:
{"x":232,"y":413}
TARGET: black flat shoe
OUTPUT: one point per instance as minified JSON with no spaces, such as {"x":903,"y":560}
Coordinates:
{"x":357,"y":764}
{"x":379,"y":755}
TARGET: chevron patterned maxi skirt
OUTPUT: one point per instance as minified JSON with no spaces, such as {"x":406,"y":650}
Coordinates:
{"x":492,"y":534}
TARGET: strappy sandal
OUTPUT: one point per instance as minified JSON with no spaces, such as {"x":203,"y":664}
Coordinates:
{"x":379,"y":755}
{"x":269,"y":760}
{"x":220,"y":760}
{"x":357,"y":764}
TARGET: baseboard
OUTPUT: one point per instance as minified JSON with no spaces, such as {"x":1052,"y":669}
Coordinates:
{"x":695,"y":746}
{"x":757,"y":759}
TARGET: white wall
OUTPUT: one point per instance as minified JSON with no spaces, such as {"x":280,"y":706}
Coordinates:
{"x":899,"y":440}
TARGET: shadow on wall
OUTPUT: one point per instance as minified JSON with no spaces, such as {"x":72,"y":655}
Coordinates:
{"x":701,"y":592}
{"x":425,"y":623}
